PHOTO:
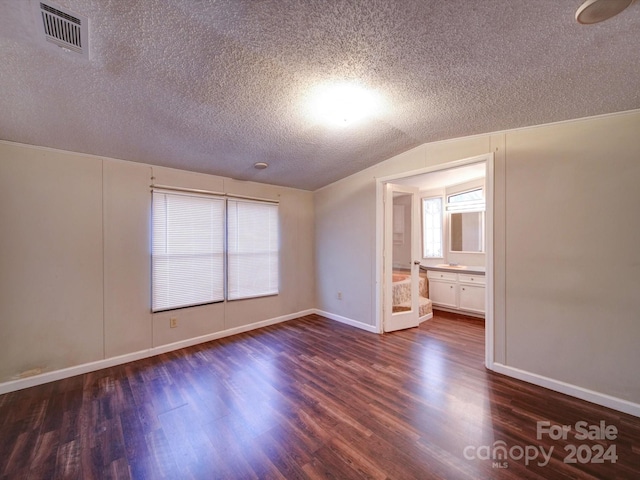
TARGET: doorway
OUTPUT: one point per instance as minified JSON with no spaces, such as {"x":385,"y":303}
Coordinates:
{"x":402,"y":254}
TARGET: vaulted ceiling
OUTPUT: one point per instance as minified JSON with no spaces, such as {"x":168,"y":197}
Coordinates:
{"x":215,"y":86}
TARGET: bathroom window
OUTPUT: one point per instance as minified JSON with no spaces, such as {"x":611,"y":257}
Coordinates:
{"x":471,"y":200}
{"x":432,"y":227}
{"x":466,"y":221}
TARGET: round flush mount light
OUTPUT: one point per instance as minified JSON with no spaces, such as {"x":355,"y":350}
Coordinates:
{"x":343,"y":104}
{"x":594,"y":11}
{"x":260,"y":165}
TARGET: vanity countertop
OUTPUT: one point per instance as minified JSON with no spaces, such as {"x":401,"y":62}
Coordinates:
{"x":474,"y":270}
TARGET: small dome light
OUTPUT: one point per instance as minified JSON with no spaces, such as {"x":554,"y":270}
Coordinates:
{"x":594,"y":11}
{"x":260,"y":165}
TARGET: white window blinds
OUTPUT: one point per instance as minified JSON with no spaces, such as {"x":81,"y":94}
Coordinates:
{"x":187,"y":250}
{"x":252,"y":249}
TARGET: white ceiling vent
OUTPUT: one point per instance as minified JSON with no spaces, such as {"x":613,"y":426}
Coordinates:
{"x":63,"y":28}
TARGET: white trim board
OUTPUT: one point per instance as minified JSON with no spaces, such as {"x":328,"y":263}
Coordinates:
{"x":347,"y":321}
{"x":582,"y":393}
{"x":598,"y":398}
{"x":22,"y":383}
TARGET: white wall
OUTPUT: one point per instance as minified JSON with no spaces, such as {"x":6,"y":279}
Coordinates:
{"x":566,"y":239}
{"x":75,"y":281}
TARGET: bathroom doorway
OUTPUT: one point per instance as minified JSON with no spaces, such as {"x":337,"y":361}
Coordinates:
{"x":408,"y":262}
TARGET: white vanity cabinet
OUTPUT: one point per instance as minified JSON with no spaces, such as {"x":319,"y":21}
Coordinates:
{"x":471,"y":292}
{"x":443,"y":289}
{"x":457,"y":291}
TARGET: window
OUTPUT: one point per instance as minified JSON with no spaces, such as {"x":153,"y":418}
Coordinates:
{"x":466,"y":221}
{"x":188,"y":252}
{"x":471,"y":200}
{"x":432,"y":227}
{"x":253,"y":249}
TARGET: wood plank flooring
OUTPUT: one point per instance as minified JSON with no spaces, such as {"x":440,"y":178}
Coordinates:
{"x":309,"y":398}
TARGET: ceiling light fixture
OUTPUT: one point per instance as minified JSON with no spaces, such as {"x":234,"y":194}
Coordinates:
{"x":594,"y":11}
{"x":342,"y":104}
{"x":260,"y":165}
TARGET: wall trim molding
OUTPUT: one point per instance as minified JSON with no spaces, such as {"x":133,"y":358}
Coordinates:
{"x":592,"y":396}
{"x":22,"y":383}
{"x":347,"y":321}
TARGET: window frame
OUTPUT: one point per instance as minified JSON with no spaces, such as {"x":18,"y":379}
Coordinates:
{"x":475,"y":205}
{"x":225,"y":252}
{"x":270,"y":251}
{"x":183,"y":250}
{"x":424,"y":226}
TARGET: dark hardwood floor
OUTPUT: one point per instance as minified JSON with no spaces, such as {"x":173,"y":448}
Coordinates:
{"x":310,"y":398}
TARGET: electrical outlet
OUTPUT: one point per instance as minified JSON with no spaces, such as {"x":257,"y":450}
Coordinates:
{"x":339,"y":295}
{"x":173,"y":322}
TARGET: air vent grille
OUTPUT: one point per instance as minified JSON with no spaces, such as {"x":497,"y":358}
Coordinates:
{"x":64,"y":29}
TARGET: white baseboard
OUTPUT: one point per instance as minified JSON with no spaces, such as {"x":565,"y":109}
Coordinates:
{"x":47,"y":377}
{"x":360,"y":325}
{"x":598,"y":398}
{"x":348,"y":321}
{"x":227,"y":333}
{"x":575,"y":391}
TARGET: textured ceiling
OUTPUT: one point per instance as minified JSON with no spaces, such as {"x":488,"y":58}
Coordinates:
{"x":215,"y":86}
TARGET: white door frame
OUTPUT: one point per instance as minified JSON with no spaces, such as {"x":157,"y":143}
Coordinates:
{"x":489,"y":220}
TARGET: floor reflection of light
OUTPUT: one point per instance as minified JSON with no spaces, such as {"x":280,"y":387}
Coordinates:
{"x":462,"y":397}
{"x":434,"y":372}
{"x":253,"y":384}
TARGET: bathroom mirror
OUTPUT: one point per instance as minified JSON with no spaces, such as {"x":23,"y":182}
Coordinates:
{"x":466,"y":232}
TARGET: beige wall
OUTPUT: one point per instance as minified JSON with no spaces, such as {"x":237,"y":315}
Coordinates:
{"x":566,"y":239}
{"x":127,"y":262}
{"x":572,"y":249}
{"x":345,"y":248}
{"x":75,"y":260}
{"x":51,"y":274}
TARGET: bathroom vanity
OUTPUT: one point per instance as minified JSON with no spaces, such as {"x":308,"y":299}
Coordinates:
{"x":457,"y":288}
